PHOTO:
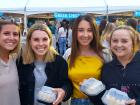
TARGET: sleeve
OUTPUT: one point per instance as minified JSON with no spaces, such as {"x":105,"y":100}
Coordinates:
{"x":107,"y":55}
{"x":66,"y":83}
{"x":138,"y":101}
{"x":96,"y":100}
{"x":67,"y":54}
{"x":22,"y":84}
{"x":136,"y":91}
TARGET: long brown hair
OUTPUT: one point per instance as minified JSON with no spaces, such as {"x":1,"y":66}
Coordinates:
{"x":95,"y":44}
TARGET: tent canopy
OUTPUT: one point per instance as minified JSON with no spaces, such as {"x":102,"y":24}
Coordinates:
{"x":51,"y":6}
{"x":117,"y":6}
{"x":48,"y":6}
{"x":13,"y":6}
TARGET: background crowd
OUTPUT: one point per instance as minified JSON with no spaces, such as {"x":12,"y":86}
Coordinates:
{"x":62,"y":56}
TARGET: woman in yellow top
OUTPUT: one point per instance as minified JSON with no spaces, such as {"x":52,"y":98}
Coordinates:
{"x":86,"y":58}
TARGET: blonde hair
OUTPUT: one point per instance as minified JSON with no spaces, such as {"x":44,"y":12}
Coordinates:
{"x":16,"y":50}
{"x":28,"y":54}
{"x":133,"y":34}
{"x":107,"y":31}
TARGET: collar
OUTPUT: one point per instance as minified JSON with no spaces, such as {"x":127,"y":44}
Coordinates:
{"x":134,"y":59}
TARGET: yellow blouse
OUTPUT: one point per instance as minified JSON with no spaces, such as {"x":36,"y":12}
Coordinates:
{"x":85,"y":67}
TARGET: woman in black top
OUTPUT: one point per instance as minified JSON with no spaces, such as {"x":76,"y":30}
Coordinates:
{"x":53,"y":73}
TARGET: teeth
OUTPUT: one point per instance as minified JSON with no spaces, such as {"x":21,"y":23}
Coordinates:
{"x":40,"y":49}
{"x":85,"y":39}
{"x":10,"y":43}
{"x":119,"y":49}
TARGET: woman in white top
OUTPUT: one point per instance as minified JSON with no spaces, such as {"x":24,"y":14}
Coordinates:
{"x":69,"y":39}
{"x":105,"y":37}
{"x":9,"y":47}
{"x":62,"y":38}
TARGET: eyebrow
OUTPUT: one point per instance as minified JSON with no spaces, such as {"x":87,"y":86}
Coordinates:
{"x":84,"y":28}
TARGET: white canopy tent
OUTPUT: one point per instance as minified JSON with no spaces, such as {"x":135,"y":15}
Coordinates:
{"x":29,"y":7}
{"x":13,"y":6}
{"x":117,"y":6}
{"x":49,"y":6}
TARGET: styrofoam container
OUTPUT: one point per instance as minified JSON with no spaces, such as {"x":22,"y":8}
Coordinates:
{"x":92,"y":87}
{"x":47,"y":95}
{"x":114,"y":97}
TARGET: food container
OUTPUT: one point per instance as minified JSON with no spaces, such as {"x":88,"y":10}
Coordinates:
{"x":92,"y":87}
{"x":47,"y":95}
{"x":115,"y":97}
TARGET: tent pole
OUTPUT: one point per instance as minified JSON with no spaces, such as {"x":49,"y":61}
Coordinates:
{"x":107,"y":17}
{"x":25,"y":19}
{"x":25,"y":23}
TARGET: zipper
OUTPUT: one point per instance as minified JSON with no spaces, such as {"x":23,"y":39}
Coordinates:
{"x":123,"y":75}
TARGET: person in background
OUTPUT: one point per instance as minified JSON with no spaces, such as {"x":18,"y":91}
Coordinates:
{"x":139,"y":26}
{"x":41,"y":65}
{"x":106,"y":34}
{"x":123,"y":71}
{"x":85,"y":58}
{"x":9,"y":48}
{"x":102,"y":26}
{"x":132,"y":22}
{"x":69,"y":39}
{"x":62,"y":41}
{"x":53,"y":30}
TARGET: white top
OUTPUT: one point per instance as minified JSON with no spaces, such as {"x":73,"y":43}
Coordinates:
{"x":106,"y":55}
{"x":9,"y":93}
{"x":62,"y":32}
{"x":69,"y":37}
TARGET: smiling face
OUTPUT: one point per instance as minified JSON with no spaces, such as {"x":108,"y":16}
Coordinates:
{"x":40,"y":43}
{"x":85,"y":34}
{"x":121,"y":44}
{"x":9,"y":38}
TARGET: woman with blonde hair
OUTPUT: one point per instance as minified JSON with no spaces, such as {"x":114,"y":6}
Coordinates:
{"x":9,"y":48}
{"x":42,"y":66}
{"x":123,"y":71}
{"x":106,"y":34}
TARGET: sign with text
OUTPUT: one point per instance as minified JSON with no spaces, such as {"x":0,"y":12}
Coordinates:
{"x":66,"y":15}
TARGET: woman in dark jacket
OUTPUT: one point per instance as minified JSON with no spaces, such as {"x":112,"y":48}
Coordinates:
{"x":123,"y":71}
{"x":41,"y":65}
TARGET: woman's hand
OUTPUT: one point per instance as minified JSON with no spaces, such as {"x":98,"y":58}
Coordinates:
{"x":60,"y":95}
{"x":131,"y":102}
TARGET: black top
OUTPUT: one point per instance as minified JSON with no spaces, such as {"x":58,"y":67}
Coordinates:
{"x":126,"y":79}
{"x":57,"y":77}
